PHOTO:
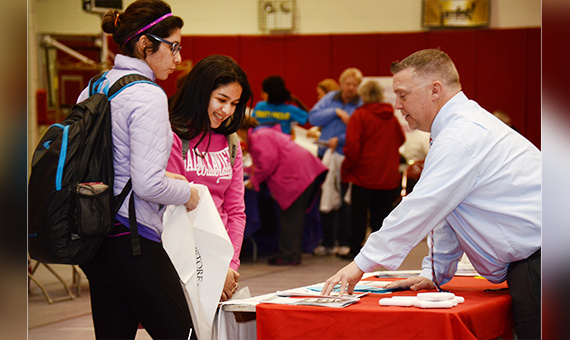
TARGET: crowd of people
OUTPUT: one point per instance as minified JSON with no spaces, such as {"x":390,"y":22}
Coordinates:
{"x":479,"y":192}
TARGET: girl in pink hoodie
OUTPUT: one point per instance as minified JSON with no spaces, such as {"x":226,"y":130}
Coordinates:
{"x":209,"y":106}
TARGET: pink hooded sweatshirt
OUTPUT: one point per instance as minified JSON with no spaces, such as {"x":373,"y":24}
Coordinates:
{"x":287,"y":168}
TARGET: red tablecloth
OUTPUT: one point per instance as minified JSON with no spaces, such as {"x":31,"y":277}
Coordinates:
{"x":483,"y":315}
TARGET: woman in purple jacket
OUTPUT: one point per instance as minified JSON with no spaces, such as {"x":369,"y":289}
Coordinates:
{"x":294,"y":177}
{"x":127,"y":290}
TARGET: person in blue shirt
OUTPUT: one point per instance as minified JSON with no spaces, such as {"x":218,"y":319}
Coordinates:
{"x":332,"y":111}
{"x":479,"y":194}
{"x":274,"y":108}
{"x":331,"y":114}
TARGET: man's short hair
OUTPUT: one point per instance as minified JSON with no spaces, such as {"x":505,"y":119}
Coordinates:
{"x":429,"y":63}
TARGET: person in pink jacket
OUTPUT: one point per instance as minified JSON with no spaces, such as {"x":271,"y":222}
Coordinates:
{"x":208,"y":107}
{"x":293,"y":176}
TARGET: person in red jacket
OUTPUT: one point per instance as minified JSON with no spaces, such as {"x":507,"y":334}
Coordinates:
{"x":373,"y":136}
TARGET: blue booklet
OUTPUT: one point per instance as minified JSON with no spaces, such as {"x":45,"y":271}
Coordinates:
{"x":377,"y":287}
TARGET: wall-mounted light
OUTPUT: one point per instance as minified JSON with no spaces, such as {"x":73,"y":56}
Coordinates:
{"x":276,"y":15}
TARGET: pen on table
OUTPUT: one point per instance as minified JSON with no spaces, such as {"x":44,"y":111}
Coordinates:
{"x":495,"y":290}
{"x":398,"y":289}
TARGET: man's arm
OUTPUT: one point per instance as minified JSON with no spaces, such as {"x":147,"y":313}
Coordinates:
{"x":448,"y":177}
{"x":447,"y":253}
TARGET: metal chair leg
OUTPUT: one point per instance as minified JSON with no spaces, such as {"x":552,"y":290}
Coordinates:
{"x":76,"y":280}
{"x":50,"y":300}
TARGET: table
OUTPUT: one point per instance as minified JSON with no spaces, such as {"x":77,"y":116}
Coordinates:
{"x":483,"y":315}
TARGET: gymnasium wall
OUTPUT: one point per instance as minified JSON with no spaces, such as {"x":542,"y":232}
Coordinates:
{"x":499,"y":68}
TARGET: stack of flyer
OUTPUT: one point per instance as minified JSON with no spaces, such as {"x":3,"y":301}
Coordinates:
{"x":306,"y":297}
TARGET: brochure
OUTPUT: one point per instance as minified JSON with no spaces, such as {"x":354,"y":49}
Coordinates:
{"x":330,"y":301}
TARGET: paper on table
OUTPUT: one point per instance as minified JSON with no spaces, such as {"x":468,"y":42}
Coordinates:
{"x":335,"y":302}
{"x":306,"y":292}
{"x":395,"y":273}
{"x":376,"y":287}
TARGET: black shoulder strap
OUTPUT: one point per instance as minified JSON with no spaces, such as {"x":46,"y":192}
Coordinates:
{"x":233,"y":144}
{"x":126,"y":81}
{"x":120,"y":198}
{"x":117,"y":87}
{"x":135,"y":240}
{"x":93,"y":82}
{"x":185,"y":147}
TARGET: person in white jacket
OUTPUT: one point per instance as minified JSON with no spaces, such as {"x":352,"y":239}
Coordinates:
{"x":125,"y":289}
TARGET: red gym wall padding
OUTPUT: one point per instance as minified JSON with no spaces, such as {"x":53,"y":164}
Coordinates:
{"x":499,"y":68}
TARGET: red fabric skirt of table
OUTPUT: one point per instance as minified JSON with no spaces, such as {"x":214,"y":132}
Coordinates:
{"x":483,"y":315}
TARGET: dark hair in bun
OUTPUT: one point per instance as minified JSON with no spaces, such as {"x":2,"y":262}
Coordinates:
{"x":124,"y":26}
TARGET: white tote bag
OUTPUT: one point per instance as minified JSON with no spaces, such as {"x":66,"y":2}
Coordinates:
{"x":200,"y":249}
{"x":330,"y":190}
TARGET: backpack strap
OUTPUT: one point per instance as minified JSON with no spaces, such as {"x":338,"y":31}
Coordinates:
{"x":135,"y":240}
{"x":233,"y":143}
{"x":121,"y":84}
{"x":94,"y":83}
{"x":120,"y":198}
{"x":128,"y":81}
{"x":185,"y":147}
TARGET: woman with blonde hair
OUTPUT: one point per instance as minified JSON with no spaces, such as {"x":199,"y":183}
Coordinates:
{"x":325,"y":86}
{"x":331,"y":113}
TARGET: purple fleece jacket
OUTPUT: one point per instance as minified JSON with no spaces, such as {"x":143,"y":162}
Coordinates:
{"x":142,"y":140}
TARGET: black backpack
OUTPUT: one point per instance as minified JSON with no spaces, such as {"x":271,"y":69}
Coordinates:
{"x":71,"y":206}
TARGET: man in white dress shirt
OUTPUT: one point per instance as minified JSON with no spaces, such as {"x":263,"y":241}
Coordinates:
{"x":479,"y":194}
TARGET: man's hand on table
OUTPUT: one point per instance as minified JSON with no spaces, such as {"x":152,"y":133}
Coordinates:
{"x":415,"y":283}
{"x":347,"y":276}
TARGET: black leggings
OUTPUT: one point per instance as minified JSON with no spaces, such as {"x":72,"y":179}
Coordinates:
{"x":378,"y":202}
{"x":127,"y":290}
{"x":524,"y":282}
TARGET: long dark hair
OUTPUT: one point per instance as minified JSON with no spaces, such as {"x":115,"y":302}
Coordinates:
{"x":276,"y":91}
{"x":189,"y":106}
{"x":136,"y":16}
